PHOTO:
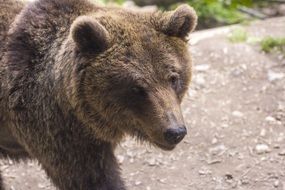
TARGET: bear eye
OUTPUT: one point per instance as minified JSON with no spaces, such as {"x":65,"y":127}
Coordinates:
{"x":174,"y":81}
{"x":138,"y":91}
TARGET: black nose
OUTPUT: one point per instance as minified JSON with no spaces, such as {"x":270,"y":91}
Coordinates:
{"x":175,"y":135}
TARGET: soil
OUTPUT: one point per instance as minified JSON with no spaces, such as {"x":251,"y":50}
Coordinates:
{"x":235,"y":112}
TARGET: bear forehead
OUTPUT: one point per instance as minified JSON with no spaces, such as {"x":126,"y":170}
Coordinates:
{"x":132,"y":24}
{"x":138,"y":48}
{"x":141,"y":29}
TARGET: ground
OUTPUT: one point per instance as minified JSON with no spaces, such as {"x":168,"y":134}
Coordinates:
{"x":235,"y":111}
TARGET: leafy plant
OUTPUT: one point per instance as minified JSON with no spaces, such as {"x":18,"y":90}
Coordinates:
{"x":213,"y":12}
{"x":120,"y":2}
{"x":238,"y":34}
{"x":269,"y":44}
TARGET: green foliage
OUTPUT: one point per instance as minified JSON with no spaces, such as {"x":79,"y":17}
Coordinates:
{"x":269,"y":44}
{"x":238,"y":34}
{"x":109,"y":1}
{"x":237,"y":3}
{"x":219,"y":11}
{"x":211,"y":13}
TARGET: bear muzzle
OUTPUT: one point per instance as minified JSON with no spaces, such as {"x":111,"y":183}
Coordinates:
{"x":175,"y":135}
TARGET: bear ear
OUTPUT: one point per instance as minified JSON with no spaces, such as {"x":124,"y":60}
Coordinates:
{"x":180,"y":22}
{"x":89,"y":35}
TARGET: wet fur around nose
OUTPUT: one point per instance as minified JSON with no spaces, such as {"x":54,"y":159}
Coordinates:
{"x":76,"y":78}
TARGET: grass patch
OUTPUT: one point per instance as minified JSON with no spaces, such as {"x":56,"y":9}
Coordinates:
{"x":267,"y":44}
{"x":238,"y":35}
{"x":270,"y":44}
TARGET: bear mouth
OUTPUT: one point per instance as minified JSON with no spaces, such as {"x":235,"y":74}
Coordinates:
{"x":144,"y":137}
{"x":164,"y":147}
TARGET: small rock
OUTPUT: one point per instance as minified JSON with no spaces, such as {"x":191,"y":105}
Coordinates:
{"x":41,"y":185}
{"x":281,"y":137}
{"x":214,"y":141}
{"x":120,"y":159}
{"x":229,"y":177}
{"x":262,"y":148}
{"x":236,"y":72}
{"x":225,"y":125}
{"x":138,"y":183}
{"x":276,"y":183}
{"x":244,"y":181}
{"x":211,"y":162}
{"x":200,"y":80}
{"x":270,"y":119}
{"x":225,"y":50}
{"x":282,"y":153}
{"x":132,"y":160}
{"x":273,"y":76}
{"x":217,"y":150}
{"x":152,"y":162}
{"x":163,"y":180}
{"x":263,"y":132}
{"x":204,"y":171}
{"x":237,"y":114}
{"x":202,"y":67}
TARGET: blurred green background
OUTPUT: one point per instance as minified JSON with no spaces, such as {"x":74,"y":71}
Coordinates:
{"x":214,"y":13}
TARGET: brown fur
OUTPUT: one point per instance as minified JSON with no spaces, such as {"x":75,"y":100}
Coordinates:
{"x":76,"y":78}
{"x":9,"y":9}
{"x":1,"y":182}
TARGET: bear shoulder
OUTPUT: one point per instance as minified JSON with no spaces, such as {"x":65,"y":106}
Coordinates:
{"x":8,"y":11}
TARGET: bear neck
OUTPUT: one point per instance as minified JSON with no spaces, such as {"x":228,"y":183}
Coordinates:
{"x":35,"y":39}
{"x":39,"y":31}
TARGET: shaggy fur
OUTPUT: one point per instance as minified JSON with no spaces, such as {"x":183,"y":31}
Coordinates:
{"x":1,"y":182}
{"x":76,"y":78}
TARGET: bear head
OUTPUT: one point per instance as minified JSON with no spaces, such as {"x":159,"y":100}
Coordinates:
{"x":132,"y":71}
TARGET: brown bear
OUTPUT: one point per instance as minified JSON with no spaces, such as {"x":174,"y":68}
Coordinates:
{"x":76,"y":78}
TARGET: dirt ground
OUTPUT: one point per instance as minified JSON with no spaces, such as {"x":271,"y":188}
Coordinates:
{"x":235,"y":111}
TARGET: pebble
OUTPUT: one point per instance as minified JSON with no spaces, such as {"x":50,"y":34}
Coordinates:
{"x":277,"y":146}
{"x":237,"y":114}
{"x":263,"y":132}
{"x":152,"y":162}
{"x":200,"y":80}
{"x":273,"y":76}
{"x":217,"y":150}
{"x":138,"y":183}
{"x":262,"y":148}
{"x":225,"y":50}
{"x":211,"y":162}
{"x":282,"y":153}
{"x":164,"y":180}
{"x":270,"y":119}
{"x":120,"y":159}
{"x":42,"y":186}
{"x":276,"y":183}
{"x":214,"y":141}
{"x":202,"y":67}
{"x":236,"y":72}
{"x":229,"y":177}
{"x":204,"y":171}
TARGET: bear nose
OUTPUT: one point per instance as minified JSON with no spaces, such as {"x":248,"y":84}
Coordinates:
{"x":175,"y":135}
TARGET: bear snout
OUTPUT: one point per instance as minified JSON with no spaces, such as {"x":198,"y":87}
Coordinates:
{"x":175,"y":135}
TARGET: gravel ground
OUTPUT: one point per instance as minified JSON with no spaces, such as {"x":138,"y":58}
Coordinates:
{"x":235,"y":111}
